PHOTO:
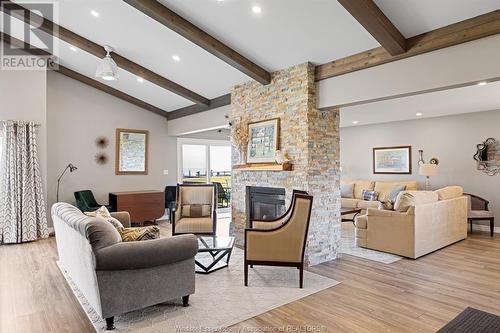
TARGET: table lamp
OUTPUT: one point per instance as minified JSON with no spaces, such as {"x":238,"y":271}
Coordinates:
{"x":427,"y":170}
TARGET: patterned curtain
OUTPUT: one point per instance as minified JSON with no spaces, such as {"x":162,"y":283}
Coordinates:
{"x":22,"y":206}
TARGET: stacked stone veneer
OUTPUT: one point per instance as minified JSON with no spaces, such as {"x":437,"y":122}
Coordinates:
{"x":310,"y":138}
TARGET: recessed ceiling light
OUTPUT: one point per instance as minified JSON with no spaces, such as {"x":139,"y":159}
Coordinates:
{"x":94,"y":13}
{"x":176,"y":57}
{"x":72,"y":48}
{"x":140,"y":79}
{"x":482,"y":83}
{"x":256,"y":9}
{"x":220,"y":0}
{"x":355,"y":122}
{"x":419,"y":114}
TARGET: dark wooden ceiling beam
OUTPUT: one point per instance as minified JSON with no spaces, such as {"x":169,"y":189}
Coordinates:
{"x":369,"y":15}
{"x":82,"y":78}
{"x":97,"y":50}
{"x":193,"y":109}
{"x":186,"y":29}
{"x":454,"y":34}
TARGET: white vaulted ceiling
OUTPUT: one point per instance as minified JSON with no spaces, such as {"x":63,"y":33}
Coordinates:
{"x":285,"y":33}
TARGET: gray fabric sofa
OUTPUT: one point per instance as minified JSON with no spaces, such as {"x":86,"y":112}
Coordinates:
{"x":118,"y":277}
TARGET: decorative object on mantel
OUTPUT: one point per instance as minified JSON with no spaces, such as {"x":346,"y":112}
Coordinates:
{"x":428,"y":170}
{"x":281,"y":157}
{"x":71,"y":168}
{"x":392,"y":160}
{"x":101,"y":142}
{"x":101,"y":158}
{"x":263,"y":141}
{"x":239,"y":138}
{"x":488,"y":156}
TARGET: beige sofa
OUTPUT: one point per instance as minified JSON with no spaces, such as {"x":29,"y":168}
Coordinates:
{"x":384,"y":189}
{"x":423,"y":221}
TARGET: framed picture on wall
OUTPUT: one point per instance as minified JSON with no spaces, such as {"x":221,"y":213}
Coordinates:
{"x":131,"y":152}
{"x":263,"y":141}
{"x":392,"y":160}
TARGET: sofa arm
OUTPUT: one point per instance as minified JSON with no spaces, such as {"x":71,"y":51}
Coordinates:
{"x":146,"y":254}
{"x":387,"y":213}
{"x":123,"y":217}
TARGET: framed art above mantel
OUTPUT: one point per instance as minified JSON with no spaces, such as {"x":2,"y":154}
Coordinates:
{"x":263,"y":141}
{"x":392,"y":160}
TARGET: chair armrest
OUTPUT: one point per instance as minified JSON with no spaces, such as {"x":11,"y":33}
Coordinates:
{"x":123,"y":217}
{"x":265,"y":225}
{"x":146,"y":254}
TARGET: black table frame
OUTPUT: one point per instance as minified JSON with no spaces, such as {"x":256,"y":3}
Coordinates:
{"x":217,"y":256}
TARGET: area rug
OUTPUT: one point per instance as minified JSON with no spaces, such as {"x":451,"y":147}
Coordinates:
{"x":348,"y":246}
{"x":473,"y":321}
{"x":220,"y":300}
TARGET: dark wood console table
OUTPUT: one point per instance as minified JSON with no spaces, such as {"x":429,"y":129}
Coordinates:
{"x":141,"y":205}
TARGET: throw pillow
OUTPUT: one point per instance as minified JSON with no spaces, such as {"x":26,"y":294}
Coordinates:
{"x":103,"y":213}
{"x":196,"y":210}
{"x":347,"y":190}
{"x":394,"y":193}
{"x":386,"y":205}
{"x":139,"y":234}
{"x":368,"y":195}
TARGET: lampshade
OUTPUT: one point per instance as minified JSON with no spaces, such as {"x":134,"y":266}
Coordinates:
{"x":107,"y":69}
{"x":428,"y":169}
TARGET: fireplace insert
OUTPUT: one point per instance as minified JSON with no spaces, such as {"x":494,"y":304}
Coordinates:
{"x":264,"y":203}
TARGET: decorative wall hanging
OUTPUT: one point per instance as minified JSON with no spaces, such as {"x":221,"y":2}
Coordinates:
{"x":487,"y":157}
{"x":101,"y":158}
{"x":392,"y":160}
{"x":263,"y":141}
{"x":131,"y":152}
{"x":102,"y":142}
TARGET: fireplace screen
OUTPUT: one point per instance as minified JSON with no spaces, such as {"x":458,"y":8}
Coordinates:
{"x":264,"y":203}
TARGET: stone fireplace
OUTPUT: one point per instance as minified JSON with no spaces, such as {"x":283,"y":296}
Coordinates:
{"x":310,"y":138}
{"x":264,"y":203}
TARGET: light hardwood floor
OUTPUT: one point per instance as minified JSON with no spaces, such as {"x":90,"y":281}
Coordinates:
{"x":407,"y":296}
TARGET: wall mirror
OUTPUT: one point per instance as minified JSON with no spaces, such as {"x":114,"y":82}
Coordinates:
{"x":131,"y":152}
{"x":488,"y":157}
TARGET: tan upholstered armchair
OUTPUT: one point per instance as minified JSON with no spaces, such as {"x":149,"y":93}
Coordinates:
{"x":283,"y":245}
{"x":195,"y":212}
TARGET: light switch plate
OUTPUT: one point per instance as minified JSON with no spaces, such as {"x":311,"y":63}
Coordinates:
{"x":165,"y":172}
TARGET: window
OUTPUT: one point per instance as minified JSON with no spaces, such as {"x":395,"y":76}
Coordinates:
{"x":204,"y":161}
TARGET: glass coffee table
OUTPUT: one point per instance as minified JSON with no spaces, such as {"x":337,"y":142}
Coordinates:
{"x":214,"y":253}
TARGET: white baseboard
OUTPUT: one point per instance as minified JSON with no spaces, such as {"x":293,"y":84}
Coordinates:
{"x":482,"y":227}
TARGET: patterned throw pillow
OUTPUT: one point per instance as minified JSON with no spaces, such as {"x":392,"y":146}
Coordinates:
{"x":104,"y":214}
{"x":368,"y":195}
{"x":395,"y":191}
{"x":139,"y":234}
{"x":195,"y":210}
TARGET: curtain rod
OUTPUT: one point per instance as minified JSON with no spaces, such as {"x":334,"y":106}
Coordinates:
{"x":16,"y":121}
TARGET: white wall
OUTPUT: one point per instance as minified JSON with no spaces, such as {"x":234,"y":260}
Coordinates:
{"x":23,"y":95}
{"x":472,"y":61}
{"x":452,"y":139}
{"x":199,"y":122}
{"x":77,"y":115}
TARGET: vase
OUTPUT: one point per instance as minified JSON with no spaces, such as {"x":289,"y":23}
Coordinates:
{"x":242,"y":156}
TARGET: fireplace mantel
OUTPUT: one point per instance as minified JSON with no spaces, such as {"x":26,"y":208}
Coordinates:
{"x":263,"y":167}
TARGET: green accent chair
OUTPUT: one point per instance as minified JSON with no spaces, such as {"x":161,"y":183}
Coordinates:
{"x":223,"y":195}
{"x":85,"y":201}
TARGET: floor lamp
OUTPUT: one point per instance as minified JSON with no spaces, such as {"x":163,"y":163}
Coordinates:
{"x":71,"y":168}
{"x":427,"y":170}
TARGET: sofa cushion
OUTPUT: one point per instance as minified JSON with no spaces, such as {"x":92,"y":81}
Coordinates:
{"x":450,"y":192}
{"x":347,"y":190}
{"x":368,"y":195}
{"x":385,"y":188}
{"x":139,"y":234}
{"x":407,"y":199}
{"x":359,"y":186}
{"x":104,"y":213}
{"x":101,"y":234}
{"x":349,"y":203}
{"x":368,"y":204}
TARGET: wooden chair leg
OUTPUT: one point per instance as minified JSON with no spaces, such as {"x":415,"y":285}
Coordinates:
{"x":110,"y":323}
{"x":246,"y":275}
{"x":301,"y":276}
{"x":470,"y":221}
{"x":492,"y":226}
